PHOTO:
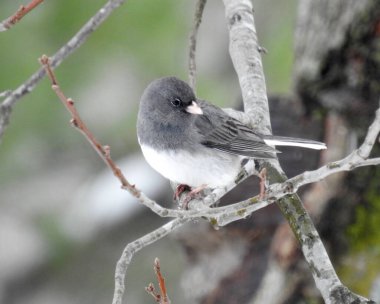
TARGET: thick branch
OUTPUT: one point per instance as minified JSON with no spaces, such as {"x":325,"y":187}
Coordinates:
{"x":247,"y":63}
{"x":245,"y":55}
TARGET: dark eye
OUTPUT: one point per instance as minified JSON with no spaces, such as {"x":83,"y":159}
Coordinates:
{"x":176,"y":102}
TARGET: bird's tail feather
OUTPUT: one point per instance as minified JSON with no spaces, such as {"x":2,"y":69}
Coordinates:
{"x":291,"y":141}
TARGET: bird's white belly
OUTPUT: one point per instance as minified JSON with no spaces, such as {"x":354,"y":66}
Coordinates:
{"x":208,"y":167}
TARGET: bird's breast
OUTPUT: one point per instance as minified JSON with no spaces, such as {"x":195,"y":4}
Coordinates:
{"x":202,"y":166}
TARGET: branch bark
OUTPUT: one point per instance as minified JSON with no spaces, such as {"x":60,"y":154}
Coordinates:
{"x":18,"y":15}
{"x":245,"y":55}
{"x":162,"y":296}
{"x":193,"y":43}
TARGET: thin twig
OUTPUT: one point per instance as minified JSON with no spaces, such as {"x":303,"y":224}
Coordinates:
{"x":161,"y":281}
{"x":193,"y":42}
{"x":161,"y":297}
{"x":73,"y":44}
{"x":103,"y":151}
{"x":152,"y":291}
{"x":18,"y":15}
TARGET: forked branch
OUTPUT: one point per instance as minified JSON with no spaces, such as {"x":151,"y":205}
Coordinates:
{"x":162,"y":296}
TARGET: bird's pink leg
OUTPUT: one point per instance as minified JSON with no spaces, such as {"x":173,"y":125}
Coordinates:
{"x":191,"y":195}
{"x":263,"y":179}
{"x":179,"y":190}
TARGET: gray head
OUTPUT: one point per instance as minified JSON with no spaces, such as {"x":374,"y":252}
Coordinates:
{"x":167,"y":107}
{"x":169,"y":96}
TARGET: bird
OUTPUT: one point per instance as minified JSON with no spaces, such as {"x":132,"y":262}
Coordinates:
{"x":196,"y":144}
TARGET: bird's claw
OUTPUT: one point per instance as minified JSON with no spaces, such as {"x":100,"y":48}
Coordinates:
{"x":189,"y":196}
{"x":179,"y":190}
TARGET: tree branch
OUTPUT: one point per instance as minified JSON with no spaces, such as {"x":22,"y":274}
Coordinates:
{"x":245,"y":55}
{"x":162,"y":297}
{"x":73,"y":44}
{"x":193,"y":42}
{"x":18,"y":15}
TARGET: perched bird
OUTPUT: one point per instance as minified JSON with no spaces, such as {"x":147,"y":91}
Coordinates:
{"x":194,"y":143}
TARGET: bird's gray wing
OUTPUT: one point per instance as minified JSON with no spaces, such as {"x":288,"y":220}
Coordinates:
{"x":219,"y":131}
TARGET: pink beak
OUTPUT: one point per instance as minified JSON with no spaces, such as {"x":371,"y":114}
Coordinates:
{"x":194,"y":108}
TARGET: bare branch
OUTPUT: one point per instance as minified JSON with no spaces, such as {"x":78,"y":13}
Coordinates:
{"x":18,"y":15}
{"x":193,"y":42}
{"x":245,"y":55}
{"x":152,"y":291}
{"x":103,"y":151}
{"x":161,"y":297}
{"x":73,"y":44}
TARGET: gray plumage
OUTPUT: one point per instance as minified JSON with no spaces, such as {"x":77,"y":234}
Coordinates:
{"x":176,"y":128}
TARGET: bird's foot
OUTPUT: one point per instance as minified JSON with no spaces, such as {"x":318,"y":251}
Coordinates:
{"x":192,"y":194}
{"x":179,"y":190}
{"x":263,"y":183}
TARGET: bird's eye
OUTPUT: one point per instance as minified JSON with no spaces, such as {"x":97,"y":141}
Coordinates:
{"x":176,"y":102}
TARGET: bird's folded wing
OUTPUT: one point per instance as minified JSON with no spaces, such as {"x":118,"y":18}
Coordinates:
{"x":226,"y":134}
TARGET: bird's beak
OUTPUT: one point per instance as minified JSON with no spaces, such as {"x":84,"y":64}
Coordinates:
{"x":194,"y":108}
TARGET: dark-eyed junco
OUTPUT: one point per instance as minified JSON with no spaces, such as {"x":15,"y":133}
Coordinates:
{"x":194,"y":143}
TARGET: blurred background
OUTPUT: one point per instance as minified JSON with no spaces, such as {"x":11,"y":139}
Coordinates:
{"x":64,"y":220}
